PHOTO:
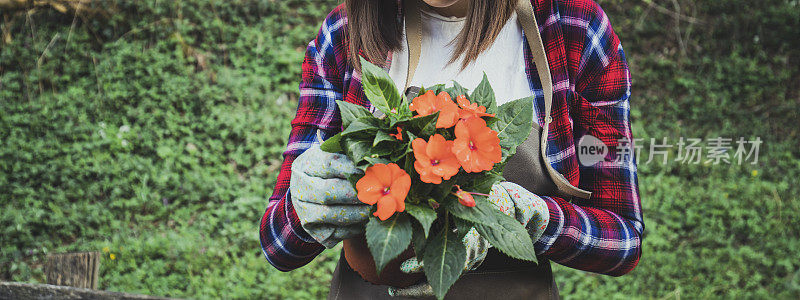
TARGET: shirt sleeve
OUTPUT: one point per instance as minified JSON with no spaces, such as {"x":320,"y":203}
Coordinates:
{"x":601,"y":234}
{"x":283,"y":241}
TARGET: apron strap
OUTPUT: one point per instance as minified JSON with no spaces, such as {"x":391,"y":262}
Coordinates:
{"x":527,"y":20}
{"x":413,"y":37}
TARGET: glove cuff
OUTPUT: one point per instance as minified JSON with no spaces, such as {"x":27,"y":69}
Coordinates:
{"x":530,"y":209}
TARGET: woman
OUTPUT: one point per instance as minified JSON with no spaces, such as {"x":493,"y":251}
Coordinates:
{"x":462,"y":39}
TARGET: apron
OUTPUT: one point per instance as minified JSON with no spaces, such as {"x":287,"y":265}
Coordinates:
{"x":499,"y":277}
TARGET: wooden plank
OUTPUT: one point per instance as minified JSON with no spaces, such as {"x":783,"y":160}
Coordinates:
{"x":73,"y":269}
{"x":25,"y":291}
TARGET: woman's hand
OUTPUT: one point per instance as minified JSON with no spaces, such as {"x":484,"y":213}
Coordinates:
{"x":323,"y":198}
{"x":528,"y":208}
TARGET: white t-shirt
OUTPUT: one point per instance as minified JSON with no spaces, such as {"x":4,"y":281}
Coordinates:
{"x":503,"y":62}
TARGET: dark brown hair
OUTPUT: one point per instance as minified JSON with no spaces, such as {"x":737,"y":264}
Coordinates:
{"x":374,"y":29}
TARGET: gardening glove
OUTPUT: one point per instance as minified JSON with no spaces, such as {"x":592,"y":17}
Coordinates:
{"x":477,"y":247}
{"x":511,"y":199}
{"x":323,"y":198}
{"x":528,"y":208}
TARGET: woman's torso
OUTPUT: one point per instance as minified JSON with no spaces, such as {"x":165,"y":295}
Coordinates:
{"x":504,"y":66}
{"x":503,"y":62}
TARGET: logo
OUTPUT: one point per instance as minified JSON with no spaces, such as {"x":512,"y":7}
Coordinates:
{"x":591,"y":150}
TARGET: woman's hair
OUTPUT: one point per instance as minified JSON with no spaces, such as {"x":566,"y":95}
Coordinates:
{"x":374,"y":29}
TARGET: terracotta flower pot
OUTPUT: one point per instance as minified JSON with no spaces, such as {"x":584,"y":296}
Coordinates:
{"x":360,"y":259}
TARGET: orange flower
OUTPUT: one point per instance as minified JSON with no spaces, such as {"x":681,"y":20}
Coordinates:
{"x":464,"y":198}
{"x":430,"y":103}
{"x":387,"y":185}
{"x":434,"y":159}
{"x":469,"y":110}
{"x":399,"y":134}
{"x":476,"y":146}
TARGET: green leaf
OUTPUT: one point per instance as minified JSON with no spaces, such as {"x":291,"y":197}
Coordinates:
{"x":400,"y":151}
{"x":484,"y":182}
{"x":482,"y":212}
{"x":376,"y":160}
{"x":365,"y":125}
{"x":440,"y":191}
{"x":435,"y":88}
{"x":354,"y":178}
{"x":504,"y":232}
{"x":510,"y":237}
{"x":411,"y":137}
{"x":387,"y":239}
{"x":457,"y":90}
{"x":333,"y":144}
{"x":490,"y":121}
{"x":408,"y":166}
{"x":463,"y":226}
{"x":423,"y":126}
{"x":351,"y":112}
{"x":443,"y":260}
{"x":382,"y":136}
{"x":424,"y":214}
{"x":356,"y":149}
{"x":484,"y":95}
{"x":379,"y":87}
{"x":418,"y":238}
{"x":403,"y":112}
{"x":420,"y":191}
{"x":382,"y":150}
{"x":514,"y":124}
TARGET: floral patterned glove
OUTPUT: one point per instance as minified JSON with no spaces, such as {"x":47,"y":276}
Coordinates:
{"x":325,"y":202}
{"x":528,"y":208}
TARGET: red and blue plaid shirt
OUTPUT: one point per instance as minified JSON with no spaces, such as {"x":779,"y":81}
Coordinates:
{"x":592,"y":90}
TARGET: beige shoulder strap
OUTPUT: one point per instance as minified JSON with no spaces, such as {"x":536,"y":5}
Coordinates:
{"x":527,"y":20}
{"x":413,"y":37}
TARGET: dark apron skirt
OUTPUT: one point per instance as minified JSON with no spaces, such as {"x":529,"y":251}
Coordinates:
{"x":499,"y":277}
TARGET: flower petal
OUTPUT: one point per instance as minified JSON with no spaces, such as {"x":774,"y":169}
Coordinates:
{"x":369,"y":187}
{"x":462,"y":101}
{"x":426,"y":174}
{"x":386,"y":207}
{"x":448,"y":111}
{"x":461,"y":130}
{"x":401,"y":183}
{"x":383,"y":174}
{"x":437,"y":147}
{"x":424,"y":104}
{"x":401,"y":187}
{"x":419,"y":145}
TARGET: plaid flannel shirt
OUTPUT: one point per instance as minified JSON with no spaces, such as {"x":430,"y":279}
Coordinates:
{"x":592,"y":88}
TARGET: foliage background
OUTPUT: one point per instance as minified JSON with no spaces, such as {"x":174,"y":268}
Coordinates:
{"x":152,"y":130}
